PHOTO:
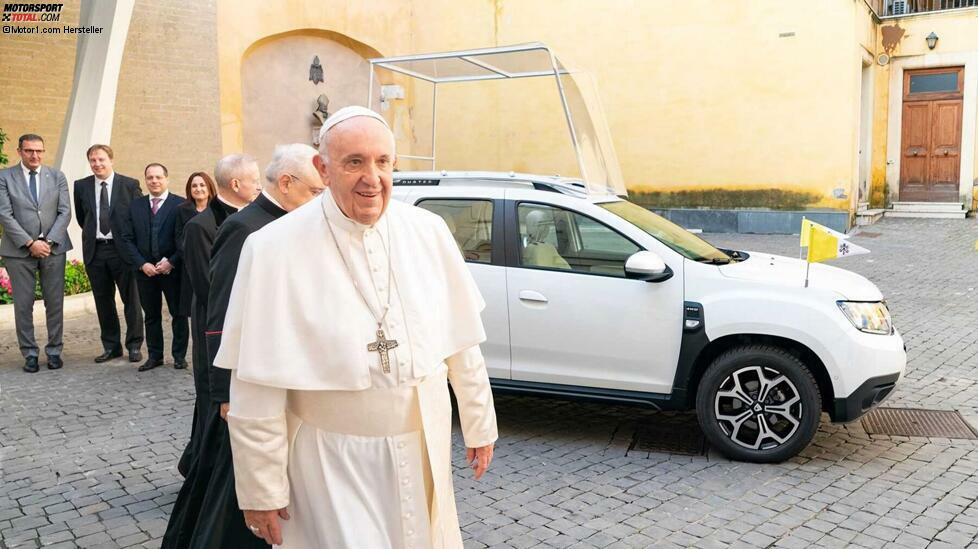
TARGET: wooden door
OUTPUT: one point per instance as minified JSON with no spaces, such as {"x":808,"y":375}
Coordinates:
{"x":930,"y":166}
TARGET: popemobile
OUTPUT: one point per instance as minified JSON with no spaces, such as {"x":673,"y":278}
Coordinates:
{"x":592,"y":296}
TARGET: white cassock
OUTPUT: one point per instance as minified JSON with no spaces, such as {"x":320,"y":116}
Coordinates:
{"x":360,"y":457}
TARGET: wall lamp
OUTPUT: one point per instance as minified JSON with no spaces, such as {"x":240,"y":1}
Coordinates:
{"x":932,"y":40}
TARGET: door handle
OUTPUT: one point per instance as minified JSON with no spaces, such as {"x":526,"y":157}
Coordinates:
{"x":530,"y":295}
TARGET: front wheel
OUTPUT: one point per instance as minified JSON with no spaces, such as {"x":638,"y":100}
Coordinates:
{"x":758,"y":403}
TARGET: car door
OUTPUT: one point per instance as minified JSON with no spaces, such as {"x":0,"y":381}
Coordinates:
{"x":476,"y":222}
{"x":574,"y":318}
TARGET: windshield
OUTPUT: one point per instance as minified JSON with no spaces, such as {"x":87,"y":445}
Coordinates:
{"x":667,"y":232}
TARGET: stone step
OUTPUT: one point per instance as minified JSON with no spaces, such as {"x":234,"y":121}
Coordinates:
{"x":929,"y":215}
{"x":868,"y":216}
{"x":928,"y":207}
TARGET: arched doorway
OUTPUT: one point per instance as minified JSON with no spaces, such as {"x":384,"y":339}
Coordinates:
{"x":278,"y":97}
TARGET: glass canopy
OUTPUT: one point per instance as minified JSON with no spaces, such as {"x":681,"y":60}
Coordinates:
{"x":587,"y":130}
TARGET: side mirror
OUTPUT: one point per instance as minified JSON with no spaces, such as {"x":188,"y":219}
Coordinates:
{"x":647,"y":266}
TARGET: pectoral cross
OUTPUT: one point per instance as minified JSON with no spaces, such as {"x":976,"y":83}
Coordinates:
{"x":382,"y":346}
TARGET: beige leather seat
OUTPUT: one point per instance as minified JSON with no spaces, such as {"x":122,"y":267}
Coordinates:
{"x":538,"y":252}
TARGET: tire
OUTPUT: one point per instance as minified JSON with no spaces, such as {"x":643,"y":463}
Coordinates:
{"x":788,"y":415}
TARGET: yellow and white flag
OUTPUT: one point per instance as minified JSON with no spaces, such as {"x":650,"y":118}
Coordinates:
{"x":806,"y":231}
{"x":824,"y":244}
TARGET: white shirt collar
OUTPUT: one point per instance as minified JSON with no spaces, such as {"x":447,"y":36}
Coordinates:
{"x":27,"y":172}
{"x":162,"y":197}
{"x":108,"y":180}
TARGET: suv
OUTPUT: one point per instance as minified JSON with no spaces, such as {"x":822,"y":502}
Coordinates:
{"x":595,"y":297}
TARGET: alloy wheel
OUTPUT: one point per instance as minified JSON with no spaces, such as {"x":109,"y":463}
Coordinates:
{"x":758,"y":408}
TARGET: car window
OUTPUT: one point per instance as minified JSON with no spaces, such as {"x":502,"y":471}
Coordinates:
{"x":555,"y":238}
{"x":667,"y":232}
{"x":470,"y":222}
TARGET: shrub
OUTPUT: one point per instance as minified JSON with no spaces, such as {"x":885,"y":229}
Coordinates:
{"x":76,"y":282}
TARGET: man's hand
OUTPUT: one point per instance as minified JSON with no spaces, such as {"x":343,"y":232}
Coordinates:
{"x":40,"y":248}
{"x":479,"y":459}
{"x":148,"y":269}
{"x":225,"y":406}
{"x":164,"y":266}
{"x":264,"y":524}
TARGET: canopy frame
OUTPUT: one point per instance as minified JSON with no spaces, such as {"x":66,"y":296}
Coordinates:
{"x":556,"y":70}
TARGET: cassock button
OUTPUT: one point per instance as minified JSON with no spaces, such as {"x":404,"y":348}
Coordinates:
{"x":404,"y":464}
{"x":408,"y":516}
{"x":400,"y":445}
{"x":410,"y":532}
{"x":406,"y":481}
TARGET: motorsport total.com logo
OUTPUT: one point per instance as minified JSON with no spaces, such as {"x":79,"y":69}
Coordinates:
{"x":32,"y":13}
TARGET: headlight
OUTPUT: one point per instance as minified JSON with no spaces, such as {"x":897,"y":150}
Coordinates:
{"x":872,"y":318}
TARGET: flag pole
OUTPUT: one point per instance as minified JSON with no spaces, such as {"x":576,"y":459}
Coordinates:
{"x":808,"y":260}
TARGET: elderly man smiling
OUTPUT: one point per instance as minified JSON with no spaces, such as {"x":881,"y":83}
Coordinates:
{"x":345,"y":321}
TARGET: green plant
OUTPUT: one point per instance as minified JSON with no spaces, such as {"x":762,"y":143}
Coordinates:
{"x":3,"y":140}
{"x":76,"y":282}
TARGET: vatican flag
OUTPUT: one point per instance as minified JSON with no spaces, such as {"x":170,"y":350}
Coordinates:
{"x":806,"y":231}
{"x":824,"y":244}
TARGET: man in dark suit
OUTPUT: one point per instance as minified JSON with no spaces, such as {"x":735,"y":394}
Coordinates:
{"x":34,"y":213}
{"x":101,"y":206}
{"x":238,"y":182}
{"x":206,"y":512}
{"x":149,"y":236}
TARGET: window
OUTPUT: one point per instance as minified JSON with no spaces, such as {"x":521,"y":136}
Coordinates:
{"x":554,"y":238}
{"x":934,"y":82}
{"x":470,"y":222}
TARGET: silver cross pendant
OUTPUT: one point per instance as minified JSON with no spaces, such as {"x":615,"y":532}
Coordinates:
{"x":382,"y":346}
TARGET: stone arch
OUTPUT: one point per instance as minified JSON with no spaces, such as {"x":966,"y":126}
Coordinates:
{"x":278,"y":99}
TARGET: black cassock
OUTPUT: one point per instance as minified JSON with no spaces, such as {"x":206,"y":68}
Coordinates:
{"x":196,"y":237}
{"x":206,"y":513}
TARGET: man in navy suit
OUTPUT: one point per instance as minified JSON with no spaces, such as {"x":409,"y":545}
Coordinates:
{"x":101,"y":207}
{"x":149,"y":238}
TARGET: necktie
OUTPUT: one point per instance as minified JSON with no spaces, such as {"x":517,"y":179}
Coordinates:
{"x":33,"y":185}
{"x":156,"y":205}
{"x":103,"y":209}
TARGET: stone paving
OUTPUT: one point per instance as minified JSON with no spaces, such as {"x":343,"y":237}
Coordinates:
{"x":88,"y":453}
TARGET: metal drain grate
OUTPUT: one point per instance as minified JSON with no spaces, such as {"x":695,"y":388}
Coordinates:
{"x":918,"y":423}
{"x":672,"y":438}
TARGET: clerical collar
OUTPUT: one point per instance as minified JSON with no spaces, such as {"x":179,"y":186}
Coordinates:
{"x":271,"y":199}
{"x":341,"y":221}
{"x":226,"y":203}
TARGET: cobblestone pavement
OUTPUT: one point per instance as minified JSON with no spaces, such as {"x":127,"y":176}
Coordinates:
{"x":88,"y":453}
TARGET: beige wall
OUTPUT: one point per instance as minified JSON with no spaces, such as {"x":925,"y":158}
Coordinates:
{"x":957,"y":46}
{"x":759,"y":111}
{"x":166,"y":107}
{"x":277,"y":96}
{"x":36,"y":75}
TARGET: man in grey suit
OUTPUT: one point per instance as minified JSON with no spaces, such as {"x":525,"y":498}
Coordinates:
{"x":34,"y":212}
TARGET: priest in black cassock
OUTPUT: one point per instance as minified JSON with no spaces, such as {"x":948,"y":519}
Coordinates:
{"x":238,"y":183}
{"x":206,"y":513}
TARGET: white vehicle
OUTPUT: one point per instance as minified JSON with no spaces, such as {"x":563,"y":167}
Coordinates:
{"x":602,"y":299}
{"x":591,"y":296}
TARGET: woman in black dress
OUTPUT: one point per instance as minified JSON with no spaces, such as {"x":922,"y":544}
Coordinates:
{"x":200,"y":190}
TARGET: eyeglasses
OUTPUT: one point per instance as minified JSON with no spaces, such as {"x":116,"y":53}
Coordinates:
{"x":32,"y":151}
{"x":316,"y":191}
